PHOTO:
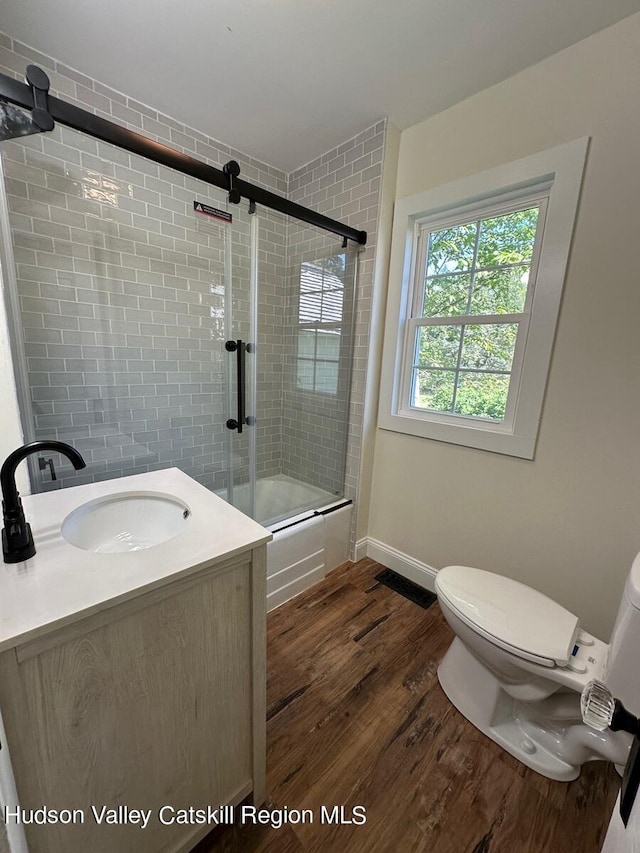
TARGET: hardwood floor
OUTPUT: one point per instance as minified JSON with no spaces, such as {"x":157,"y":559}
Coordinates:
{"x":356,"y":717}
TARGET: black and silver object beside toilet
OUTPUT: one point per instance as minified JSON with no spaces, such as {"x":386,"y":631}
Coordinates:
{"x":601,"y":710}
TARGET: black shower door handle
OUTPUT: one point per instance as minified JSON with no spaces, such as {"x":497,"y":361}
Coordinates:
{"x":240,"y":349}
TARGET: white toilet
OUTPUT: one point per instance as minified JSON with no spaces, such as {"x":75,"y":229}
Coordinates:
{"x":520,"y":661}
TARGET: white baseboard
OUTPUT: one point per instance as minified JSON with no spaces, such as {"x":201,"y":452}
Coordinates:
{"x":360,"y":551}
{"x":403,"y":564}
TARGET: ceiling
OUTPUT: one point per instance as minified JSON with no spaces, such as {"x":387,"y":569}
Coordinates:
{"x":286,"y":80}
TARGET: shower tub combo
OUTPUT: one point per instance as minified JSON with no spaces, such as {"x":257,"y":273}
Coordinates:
{"x":156,"y":322}
{"x":311,"y":530}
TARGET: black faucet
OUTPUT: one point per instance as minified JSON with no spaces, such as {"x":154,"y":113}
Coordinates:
{"x":17,"y":539}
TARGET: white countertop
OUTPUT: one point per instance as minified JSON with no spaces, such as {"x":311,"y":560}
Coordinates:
{"x":62,"y":584}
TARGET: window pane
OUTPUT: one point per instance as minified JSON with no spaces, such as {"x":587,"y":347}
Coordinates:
{"x":507,"y":239}
{"x":332,"y":300}
{"x":327,"y":377}
{"x":328,"y":344}
{"x":501,"y":291}
{"x":451,"y":249}
{"x":321,"y":290}
{"x":307,"y":343}
{"x":482,"y":395}
{"x":305,"y":374}
{"x":446,"y":295}
{"x":433,"y":389}
{"x":310,"y":308}
{"x":438,"y":346}
{"x":489,"y":347}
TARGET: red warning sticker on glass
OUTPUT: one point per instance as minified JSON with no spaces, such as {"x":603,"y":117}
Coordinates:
{"x":214,"y":212}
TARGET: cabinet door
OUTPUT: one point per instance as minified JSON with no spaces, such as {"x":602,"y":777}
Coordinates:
{"x":151,"y":709}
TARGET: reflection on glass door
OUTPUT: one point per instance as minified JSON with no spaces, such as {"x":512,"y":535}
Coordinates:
{"x":240,"y":354}
{"x":305,"y":346}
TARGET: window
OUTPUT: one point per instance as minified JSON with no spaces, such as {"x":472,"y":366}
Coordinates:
{"x":320,"y":318}
{"x":474,"y":281}
{"x":481,"y":263}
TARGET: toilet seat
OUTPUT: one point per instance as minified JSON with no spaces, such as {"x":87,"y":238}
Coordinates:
{"x":509,"y":614}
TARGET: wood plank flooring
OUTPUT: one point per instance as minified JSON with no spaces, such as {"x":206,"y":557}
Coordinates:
{"x":356,"y":717}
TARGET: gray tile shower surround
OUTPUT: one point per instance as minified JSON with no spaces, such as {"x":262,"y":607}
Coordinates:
{"x":108,"y":290}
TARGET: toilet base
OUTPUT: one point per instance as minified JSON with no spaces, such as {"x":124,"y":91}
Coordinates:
{"x":477,"y":694}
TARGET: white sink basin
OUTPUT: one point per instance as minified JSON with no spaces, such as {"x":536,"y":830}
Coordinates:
{"x":126,"y":521}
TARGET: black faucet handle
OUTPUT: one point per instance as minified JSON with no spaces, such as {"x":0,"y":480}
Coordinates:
{"x":47,"y":463}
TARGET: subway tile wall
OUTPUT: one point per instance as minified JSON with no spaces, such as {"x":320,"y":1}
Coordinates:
{"x":344,"y":183}
{"x":272,"y":266}
{"x":121,"y":288}
{"x":135,"y":252}
{"x":122,"y":297}
{"x":315,"y":420}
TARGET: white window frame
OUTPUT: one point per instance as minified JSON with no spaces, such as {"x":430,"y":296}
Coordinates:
{"x":468,"y":213}
{"x":552,"y":179}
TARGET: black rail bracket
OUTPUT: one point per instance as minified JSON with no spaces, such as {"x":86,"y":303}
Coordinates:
{"x":232,"y":170}
{"x":39,"y":82}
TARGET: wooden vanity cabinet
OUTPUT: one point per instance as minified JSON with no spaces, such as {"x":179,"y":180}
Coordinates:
{"x":157,"y":701}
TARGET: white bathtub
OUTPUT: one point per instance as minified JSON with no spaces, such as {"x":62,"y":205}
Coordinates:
{"x":311,"y":531}
{"x":280,"y":498}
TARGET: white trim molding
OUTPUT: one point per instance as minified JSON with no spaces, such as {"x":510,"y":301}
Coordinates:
{"x":360,"y":551}
{"x":556,"y":176}
{"x":414,"y":570}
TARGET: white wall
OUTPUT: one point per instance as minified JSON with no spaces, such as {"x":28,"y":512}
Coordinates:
{"x":10,"y":427}
{"x":11,"y":435}
{"x":569,"y":521}
{"x":621,"y":839}
{"x":10,"y":432}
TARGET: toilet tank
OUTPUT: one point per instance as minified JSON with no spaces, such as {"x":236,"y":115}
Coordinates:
{"x":622,"y":675}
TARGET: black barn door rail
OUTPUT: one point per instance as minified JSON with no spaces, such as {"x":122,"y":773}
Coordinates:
{"x":22,"y":95}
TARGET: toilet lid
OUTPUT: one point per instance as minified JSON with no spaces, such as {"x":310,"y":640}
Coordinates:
{"x":514,"y":616}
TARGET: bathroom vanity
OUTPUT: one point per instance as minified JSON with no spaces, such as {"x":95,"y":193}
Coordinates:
{"x":134,"y":678}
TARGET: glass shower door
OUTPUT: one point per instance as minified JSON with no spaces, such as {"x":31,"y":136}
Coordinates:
{"x":126,"y":279}
{"x":240,"y":354}
{"x":313,"y":344}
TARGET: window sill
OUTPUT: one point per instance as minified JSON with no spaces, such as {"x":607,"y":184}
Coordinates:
{"x":485,"y":436}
